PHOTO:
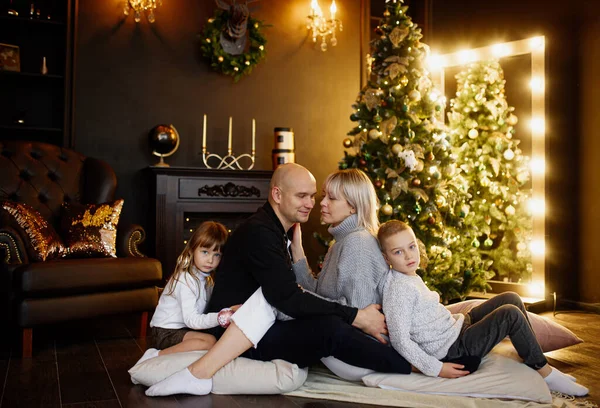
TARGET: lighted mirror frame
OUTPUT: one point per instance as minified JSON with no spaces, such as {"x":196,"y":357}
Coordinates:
{"x":534,"y":46}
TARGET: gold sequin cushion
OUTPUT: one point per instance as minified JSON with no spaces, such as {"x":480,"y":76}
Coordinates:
{"x":90,"y":230}
{"x":44,"y":242}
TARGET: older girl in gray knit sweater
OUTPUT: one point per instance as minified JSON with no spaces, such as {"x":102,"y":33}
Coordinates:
{"x":425,"y":333}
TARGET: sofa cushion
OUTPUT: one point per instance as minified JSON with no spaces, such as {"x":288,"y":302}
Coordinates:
{"x":551,"y":336}
{"x":43,"y":241}
{"x":75,"y":276}
{"x":35,"y":311}
{"x":90,"y":230}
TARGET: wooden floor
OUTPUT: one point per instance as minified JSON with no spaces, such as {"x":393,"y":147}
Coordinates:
{"x":85,"y":366}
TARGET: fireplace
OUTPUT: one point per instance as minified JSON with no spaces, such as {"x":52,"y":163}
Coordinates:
{"x":185,"y":197}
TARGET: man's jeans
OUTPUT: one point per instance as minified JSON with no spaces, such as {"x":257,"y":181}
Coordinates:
{"x":489,"y":323}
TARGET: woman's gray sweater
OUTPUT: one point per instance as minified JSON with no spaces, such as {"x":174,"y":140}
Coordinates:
{"x":354,"y":272}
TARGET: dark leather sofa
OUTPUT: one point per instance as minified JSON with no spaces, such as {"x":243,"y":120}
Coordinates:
{"x":45,"y":176}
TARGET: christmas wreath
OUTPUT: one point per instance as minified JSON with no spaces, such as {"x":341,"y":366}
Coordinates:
{"x":232,"y":41}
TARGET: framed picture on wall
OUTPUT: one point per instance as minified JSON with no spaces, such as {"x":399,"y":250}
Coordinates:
{"x":10,"y":59}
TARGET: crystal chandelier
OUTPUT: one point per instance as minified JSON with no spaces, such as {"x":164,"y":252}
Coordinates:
{"x":139,"y":6}
{"x":321,"y":26}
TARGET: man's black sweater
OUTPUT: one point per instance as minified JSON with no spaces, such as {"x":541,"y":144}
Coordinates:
{"x":256,"y":255}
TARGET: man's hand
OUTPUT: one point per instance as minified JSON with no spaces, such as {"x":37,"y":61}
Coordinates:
{"x":371,"y":321}
{"x":452,"y":370}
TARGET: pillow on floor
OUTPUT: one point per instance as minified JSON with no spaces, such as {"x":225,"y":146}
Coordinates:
{"x":498,"y":377}
{"x":550,"y":335}
{"x":241,"y":376}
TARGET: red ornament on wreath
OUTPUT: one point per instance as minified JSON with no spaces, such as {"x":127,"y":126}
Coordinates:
{"x":362,"y":162}
{"x":378,"y":183}
{"x":431,"y":220}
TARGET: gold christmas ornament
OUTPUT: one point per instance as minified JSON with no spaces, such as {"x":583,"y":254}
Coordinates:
{"x":440,"y":201}
{"x":522,"y":177}
{"x":510,"y":210}
{"x":374,"y":134}
{"x":403,"y":80}
{"x":347,"y":142}
{"x":414,"y":95}
{"x":420,"y":165}
{"x":387,"y":209}
{"x":509,"y":154}
{"x":473,"y":133}
{"x":396,"y":149}
{"x":512,"y":120}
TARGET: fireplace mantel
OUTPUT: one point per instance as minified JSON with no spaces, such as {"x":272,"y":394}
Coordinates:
{"x":185,"y":196}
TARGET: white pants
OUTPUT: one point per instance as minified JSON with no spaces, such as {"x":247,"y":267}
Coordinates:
{"x":256,"y":316}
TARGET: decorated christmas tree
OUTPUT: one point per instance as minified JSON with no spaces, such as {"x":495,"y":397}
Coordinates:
{"x":403,"y":147}
{"x":482,"y":132}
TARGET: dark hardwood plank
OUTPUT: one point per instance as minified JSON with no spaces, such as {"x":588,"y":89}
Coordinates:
{"x":3,"y":375}
{"x":206,"y":401}
{"x":118,"y":356}
{"x":82,"y":374}
{"x":31,"y":383}
{"x":308,"y":402}
{"x":317,"y":403}
{"x":266,"y":401}
{"x":95,"y":404}
{"x":580,"y":360}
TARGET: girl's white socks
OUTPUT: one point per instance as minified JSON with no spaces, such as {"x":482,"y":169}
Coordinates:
{"x":557,"y":381}
{"x":182,"y":382}
{"x":150,"y":353}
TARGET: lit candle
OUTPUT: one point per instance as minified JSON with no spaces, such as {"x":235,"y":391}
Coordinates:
{"x":229,"y":139}
{"x":253,"y":135}
{"x":204,"y":133}
{"x":333,"y":9}
{"x":316,"y":10}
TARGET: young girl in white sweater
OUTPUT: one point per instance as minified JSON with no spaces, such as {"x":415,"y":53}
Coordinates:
{"x":424,"y":332}
{"x":180,"y":311}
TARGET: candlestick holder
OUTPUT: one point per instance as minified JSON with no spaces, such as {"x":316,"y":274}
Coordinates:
{"x":230,"y":161}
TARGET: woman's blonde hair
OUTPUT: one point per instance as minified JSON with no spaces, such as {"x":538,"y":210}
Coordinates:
{"x":209,"y":234}
{"x":356,"y":188}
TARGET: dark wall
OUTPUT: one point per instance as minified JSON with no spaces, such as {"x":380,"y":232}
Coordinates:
{"x":131,"y":77}
{"x":461,"y":24}
{"x":589,"y":50}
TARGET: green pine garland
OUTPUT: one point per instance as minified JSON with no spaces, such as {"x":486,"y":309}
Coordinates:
{"x":233,"y":65}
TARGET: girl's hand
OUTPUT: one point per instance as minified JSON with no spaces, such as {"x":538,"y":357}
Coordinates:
{"x":235,"y":308}
{"x":452,"y":370}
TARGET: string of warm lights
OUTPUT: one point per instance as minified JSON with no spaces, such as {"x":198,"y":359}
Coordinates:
{"x":535,"y":47}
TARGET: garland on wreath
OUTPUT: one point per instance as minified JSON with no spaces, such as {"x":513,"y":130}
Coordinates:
{"x":228,"y":64}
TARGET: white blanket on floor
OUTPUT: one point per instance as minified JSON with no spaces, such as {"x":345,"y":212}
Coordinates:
{"x":321,"y":384}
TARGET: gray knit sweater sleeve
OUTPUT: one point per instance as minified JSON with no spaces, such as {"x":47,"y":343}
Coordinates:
{"x":304,"y":275}
{"x":362,"y":270}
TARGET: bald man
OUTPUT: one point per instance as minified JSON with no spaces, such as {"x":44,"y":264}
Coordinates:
{"x":256,"y":255}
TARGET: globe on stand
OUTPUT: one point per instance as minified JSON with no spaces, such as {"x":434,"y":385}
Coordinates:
{"x":163,"y":141}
